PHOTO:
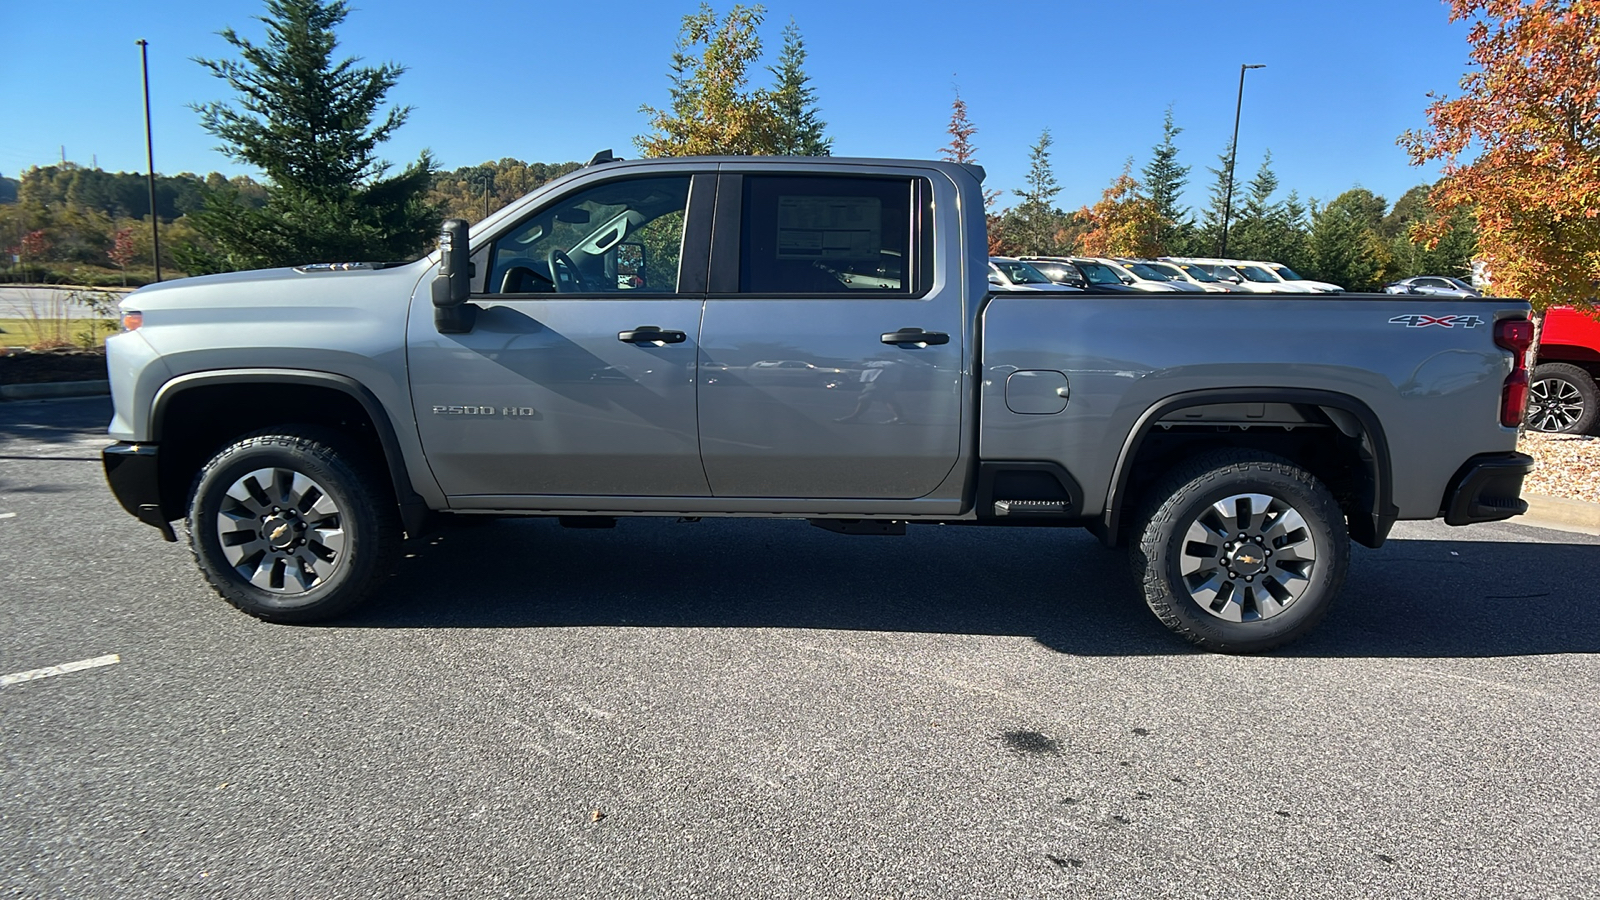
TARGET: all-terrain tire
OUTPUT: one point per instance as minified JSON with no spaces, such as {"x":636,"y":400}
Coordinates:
{"x":1562,"y":399}
{"x":1239,"y":551}
{"x":292,"y":524}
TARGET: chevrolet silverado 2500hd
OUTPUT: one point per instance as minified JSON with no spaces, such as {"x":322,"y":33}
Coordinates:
{"x":804,"y":338}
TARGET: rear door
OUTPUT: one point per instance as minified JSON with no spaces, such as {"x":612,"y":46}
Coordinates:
{"x":831,"y":349}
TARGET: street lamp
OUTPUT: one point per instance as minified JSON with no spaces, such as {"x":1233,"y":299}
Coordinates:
{"x":150,"y":158}
{"x":1233,"y":156}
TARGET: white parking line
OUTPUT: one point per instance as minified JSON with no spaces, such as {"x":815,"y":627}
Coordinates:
{"x":64,"y":668}
{"x":8,"y":515}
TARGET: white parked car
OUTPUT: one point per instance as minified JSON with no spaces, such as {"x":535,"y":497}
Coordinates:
{"x":1253,"y":277}
{"x":1160,"y":273}
{"x":1199,"y":275}
{"x":1289,"y":276}
{"x":1011,"y":274}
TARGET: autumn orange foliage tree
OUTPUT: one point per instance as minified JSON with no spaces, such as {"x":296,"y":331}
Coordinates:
{"x":1531,"y":112}
{"x":1123,"y":223}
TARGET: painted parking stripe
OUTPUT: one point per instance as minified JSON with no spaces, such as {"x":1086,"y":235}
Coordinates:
{"x":8,"y":515}
{"x":64,"y":668}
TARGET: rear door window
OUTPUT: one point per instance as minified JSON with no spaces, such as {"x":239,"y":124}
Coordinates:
{"x":833,"y":236}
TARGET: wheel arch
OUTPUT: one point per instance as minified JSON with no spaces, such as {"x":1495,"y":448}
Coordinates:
{"x":1371,"y":515}
{"x":188,"y":419}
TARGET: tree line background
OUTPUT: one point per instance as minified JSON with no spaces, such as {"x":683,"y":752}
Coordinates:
{"x":334,"y":200}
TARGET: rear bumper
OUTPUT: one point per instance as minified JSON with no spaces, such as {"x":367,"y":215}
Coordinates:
{"x":134,"y":472}
{"x":1487,"y":489}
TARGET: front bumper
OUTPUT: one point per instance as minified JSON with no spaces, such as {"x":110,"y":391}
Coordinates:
{"x":134,"y":472}
{"x":1487,"y":489}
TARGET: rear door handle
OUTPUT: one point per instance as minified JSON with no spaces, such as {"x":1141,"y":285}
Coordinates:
{"x":915,"y":336}
{"x":651,"y":334}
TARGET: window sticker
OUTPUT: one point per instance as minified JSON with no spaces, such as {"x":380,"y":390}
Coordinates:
{"x":811,"y":227}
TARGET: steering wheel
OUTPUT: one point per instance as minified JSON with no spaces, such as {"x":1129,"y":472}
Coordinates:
{"x":564,"y":272}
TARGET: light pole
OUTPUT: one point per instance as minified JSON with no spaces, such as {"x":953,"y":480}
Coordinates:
{"x":150,"y":157}
{"x":1233,"y":156}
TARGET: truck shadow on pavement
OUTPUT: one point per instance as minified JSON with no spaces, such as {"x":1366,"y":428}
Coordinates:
{"x":1059,"y":586}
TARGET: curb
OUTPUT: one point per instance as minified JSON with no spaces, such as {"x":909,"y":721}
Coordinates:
{"x":1560,"y":514}
{"x":54,"y":389}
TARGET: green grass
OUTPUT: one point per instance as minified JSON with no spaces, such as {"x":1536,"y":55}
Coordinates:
{"x":26,"y":333}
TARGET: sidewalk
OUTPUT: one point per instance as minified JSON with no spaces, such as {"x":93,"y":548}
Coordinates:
{"x":1560,"y":514}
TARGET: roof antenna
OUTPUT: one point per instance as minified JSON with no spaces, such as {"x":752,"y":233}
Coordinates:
{"x":604,"y":156}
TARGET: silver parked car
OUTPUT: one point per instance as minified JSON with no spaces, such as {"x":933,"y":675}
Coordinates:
{"x":1432,"y":286}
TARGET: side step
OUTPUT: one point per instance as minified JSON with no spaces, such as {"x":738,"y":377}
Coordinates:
{"x":1033,"y":507}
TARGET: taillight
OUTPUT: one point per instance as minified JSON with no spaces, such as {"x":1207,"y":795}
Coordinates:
{"x":1515,"y":335}
{"x":131,"y":320}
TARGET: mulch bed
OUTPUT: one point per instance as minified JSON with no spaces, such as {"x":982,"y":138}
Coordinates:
{"x":1565,"y":465}
{"x":25,"y":367}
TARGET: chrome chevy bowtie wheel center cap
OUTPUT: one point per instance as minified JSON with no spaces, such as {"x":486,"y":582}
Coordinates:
{"x":1248,"y":560}
{"x":281,"y":531}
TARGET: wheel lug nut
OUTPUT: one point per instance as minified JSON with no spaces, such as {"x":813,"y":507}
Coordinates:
{"x":1249,"y":578}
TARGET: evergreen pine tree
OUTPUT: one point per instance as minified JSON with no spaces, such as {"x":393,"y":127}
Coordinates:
{"x":1033,"y":226}
{"x":1164,"y":180}
{"x":1256,"y":230}
{"x":1346,"y":248}
{"x":800,"y":127}
{"x":1208,"y":236}
{"x":308,"y":124}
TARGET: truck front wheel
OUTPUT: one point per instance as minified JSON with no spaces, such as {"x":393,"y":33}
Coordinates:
{"x":1241,"y":552}
{"x":289,"y":526}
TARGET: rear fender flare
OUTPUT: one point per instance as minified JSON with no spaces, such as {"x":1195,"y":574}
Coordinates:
{"x":1369,"y":529}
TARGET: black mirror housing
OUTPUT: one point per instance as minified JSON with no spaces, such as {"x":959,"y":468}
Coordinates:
{"x":453,"y":285}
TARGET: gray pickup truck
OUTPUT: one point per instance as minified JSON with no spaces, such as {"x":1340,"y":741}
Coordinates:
{"x":800,"y":338}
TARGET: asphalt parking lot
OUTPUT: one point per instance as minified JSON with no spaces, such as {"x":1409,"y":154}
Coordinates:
{"x":766,"y":709}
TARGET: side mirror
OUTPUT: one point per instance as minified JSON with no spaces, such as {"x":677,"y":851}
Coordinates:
{"x":452,"y":314}
{"x":631,"y":263}
{"x":996,"y":279}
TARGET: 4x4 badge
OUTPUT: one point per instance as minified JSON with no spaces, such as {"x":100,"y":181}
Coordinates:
{"x":1417,"y":320}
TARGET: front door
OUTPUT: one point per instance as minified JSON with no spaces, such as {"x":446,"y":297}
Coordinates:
{"x":830,"y":359}
{"x":577,"y":377}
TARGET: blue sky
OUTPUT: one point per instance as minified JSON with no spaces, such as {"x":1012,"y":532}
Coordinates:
{"x":558,"y":81}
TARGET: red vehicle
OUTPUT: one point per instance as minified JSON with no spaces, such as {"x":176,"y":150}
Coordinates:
{"x":1563,"y":396}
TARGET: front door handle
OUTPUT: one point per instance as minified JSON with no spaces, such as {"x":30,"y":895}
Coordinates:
{"x":915,"y":336}
{"x":651,"y":334}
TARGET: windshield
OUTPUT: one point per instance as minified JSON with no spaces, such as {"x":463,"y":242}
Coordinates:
{"x":1170,"y":273}
{"x":1098,"y":273}
{"x":1198,"y":273}
{"x":1256,"y":273}
{"x":1148,"y":273}
{"x":1286,"y":273}
{"x":1020,"y":272}
{"x":1060,"y":273}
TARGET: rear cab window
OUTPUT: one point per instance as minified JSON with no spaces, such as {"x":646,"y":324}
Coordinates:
{"x":835,"y":236}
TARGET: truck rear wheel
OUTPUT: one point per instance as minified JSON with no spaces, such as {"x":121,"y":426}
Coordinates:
{"x":288,"y":526}
{"x":1562,"y":399}
{"x":1240,"y":552}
